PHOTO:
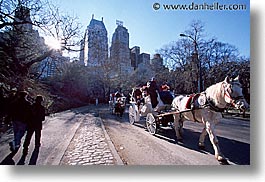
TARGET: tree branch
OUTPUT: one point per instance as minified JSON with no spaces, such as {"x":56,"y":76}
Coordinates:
{"x":39,"y":59}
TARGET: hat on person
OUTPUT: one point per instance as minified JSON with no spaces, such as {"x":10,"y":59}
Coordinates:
{"x":39,"y":98}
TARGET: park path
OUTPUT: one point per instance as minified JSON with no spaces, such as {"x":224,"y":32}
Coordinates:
{"x":64,"y":135}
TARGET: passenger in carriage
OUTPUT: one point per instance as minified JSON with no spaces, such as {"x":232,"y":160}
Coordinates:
{"x":118,"y":97}
{"x":165,"y":94}
{"x":138,"y":96}
{"x":118,"y":94}
{"x":165,"y":87}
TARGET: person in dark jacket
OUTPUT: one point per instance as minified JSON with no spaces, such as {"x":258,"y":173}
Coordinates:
{"x":20,"y":113}
{"x":152,"y":90}
{"x":35,"y":124}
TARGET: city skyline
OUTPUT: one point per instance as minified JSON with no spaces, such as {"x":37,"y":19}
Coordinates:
{"x":152,"y":29}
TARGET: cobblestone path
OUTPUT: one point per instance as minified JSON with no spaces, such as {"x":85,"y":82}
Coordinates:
{"x":89,"y":146}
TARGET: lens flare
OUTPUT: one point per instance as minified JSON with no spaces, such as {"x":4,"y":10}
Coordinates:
{"x":52,"y":42}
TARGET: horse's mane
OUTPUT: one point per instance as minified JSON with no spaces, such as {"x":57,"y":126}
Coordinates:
{"x":214,"y":92}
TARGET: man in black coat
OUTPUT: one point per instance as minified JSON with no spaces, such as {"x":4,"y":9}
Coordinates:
{"x":152,"y":90}
{"x":35,"y":124}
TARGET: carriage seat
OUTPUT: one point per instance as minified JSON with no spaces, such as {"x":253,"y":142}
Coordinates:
{"x":166,"y":97}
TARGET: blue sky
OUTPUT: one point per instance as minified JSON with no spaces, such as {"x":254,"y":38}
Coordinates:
{"x":151,"y":29}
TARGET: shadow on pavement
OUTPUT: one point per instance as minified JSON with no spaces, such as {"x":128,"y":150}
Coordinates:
{"x":236,"y":151}
{"x":34,"y":156}
{"x":8,"y":160}
{"x":22,"y":160}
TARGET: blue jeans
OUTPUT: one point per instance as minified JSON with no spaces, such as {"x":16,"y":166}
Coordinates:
{"x":19,"y":129}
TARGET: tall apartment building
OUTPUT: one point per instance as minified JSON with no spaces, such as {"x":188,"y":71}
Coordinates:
{"x":52,"y":66}
{"x":138,"y":59}
{"x":22,"y":14}
{"x":144,"y":59}
{"x":157,"y":61}
{"x":135,"y":52}
{"x":119,"y":50}
{"x":94,"y":46}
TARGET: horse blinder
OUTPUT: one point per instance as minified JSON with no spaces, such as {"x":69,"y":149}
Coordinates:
{"x":234,"y":101}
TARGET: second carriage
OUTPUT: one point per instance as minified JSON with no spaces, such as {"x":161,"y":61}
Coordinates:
{"x":117,"y":104}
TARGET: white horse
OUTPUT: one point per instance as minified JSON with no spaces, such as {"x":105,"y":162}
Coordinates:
{"x":207,"y":110}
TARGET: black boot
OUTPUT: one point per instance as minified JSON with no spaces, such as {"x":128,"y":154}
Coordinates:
{"x":13,"y":148}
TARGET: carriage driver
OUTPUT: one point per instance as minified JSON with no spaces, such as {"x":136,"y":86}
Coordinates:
{"x":153,"y":91}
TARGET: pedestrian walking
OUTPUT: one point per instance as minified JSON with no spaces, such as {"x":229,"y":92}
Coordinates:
{"x":20,"y":113}
{"x":35,"y":124}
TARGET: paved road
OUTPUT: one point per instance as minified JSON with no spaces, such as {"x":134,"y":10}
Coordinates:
{"x":73,"y":137}
{"x":77,"y":137}
{"x":137,"y":147}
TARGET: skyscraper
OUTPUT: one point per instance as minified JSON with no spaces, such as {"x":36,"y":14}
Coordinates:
{"x":22,"y":14}
{"x":119,"y":50}
{"x":95,"y":44}
{"x":135,"y":52}
{"x":144,"y":59}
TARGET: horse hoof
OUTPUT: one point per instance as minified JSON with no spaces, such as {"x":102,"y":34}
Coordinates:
{"x":223,"y":162}
{"x":180,"y":140}
{"x":201,"y":147}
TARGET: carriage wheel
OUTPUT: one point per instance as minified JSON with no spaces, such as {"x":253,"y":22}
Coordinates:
{"x":151,"y":123}
{"x":132,"y":115}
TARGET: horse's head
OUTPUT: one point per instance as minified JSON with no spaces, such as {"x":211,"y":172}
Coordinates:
{"x":233,"y":93}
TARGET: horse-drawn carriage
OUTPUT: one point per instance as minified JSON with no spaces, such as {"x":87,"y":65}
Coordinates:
{"x":141,"y":109}
{"x":117,"y":104}
{"x":204,"y":107}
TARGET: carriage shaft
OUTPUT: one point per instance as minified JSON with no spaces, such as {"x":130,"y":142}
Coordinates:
{"x":173,"y":112}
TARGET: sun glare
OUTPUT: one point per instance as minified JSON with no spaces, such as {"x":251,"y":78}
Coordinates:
{"x":52,"y":43}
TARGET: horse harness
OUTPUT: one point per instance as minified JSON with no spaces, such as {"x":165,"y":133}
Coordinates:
{"x":192,"y":106}
{"x":209,"y":102}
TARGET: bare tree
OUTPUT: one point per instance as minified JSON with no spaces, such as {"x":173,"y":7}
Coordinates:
{"x":64,"y":28}
{"x":22,"y":25}
{"x":217,"y":59}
